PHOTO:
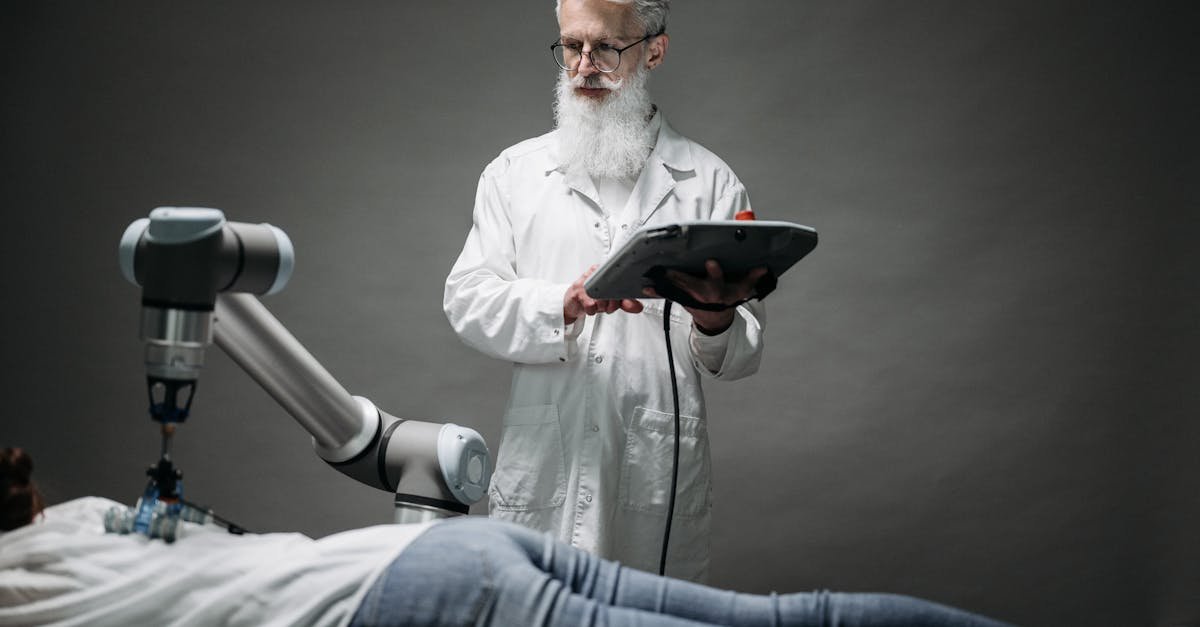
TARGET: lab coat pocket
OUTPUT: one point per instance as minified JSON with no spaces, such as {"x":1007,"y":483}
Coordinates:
{"x":530,"y":471}
{"x":646,"y":473}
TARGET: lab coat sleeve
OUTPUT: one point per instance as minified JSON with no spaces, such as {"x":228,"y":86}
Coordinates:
{"x":488,"y":305}
{"x":737,"y":351}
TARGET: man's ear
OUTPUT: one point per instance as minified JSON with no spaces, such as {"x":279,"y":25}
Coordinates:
{"x":658,"y":50}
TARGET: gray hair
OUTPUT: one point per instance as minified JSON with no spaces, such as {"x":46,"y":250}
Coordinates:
{"x":650,"y":14}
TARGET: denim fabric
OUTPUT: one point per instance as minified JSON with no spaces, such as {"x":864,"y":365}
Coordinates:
{"x":476,"y":571}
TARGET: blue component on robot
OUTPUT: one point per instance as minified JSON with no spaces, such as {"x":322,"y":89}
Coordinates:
{"x":170,"y":405}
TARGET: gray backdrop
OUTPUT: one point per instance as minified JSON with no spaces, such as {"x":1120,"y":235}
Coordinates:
{"x":979,"y":389}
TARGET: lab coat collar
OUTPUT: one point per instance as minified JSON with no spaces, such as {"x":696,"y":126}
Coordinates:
{"x":671,"y":149}
{"x":670,"y":155}
{"x":581,"y":183}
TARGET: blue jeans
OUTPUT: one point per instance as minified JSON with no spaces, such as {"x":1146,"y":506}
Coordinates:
{"x":477,"y":571}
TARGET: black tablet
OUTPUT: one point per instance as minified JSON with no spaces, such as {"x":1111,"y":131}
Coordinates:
{"x":738,"y":245}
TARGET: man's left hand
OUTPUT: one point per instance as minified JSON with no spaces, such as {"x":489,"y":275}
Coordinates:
{"x":713,"y":289}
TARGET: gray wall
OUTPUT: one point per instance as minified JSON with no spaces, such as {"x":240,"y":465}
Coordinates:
{"x":979,"y":389}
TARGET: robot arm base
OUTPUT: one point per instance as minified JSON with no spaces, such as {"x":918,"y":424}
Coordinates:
{"x":431,"y":467}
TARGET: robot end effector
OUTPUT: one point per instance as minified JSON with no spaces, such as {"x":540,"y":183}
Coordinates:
{"x":182,"y":257}
{"x":198,"y":273}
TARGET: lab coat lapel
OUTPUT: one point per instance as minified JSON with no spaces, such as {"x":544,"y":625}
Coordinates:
{"x":582,"y":184}
{"x":575,"y":180}
{"x":653,"y":186}
{"x":670,"y":158}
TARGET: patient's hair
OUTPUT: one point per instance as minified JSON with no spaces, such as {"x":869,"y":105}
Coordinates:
{"x":20,"y":500}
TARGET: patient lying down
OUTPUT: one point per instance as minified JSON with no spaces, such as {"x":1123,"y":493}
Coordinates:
{"x":58,"y":566}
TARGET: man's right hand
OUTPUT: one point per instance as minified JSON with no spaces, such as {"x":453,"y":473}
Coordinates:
{"x":577,"y":303}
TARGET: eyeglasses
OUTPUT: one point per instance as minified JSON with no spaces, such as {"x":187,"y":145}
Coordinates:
{"x":602,"y":57}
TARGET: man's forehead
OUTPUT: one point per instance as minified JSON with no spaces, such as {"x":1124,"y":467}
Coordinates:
{"x":596,"y":19}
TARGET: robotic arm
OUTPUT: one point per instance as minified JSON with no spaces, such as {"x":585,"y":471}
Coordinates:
{"x":199,"y":273}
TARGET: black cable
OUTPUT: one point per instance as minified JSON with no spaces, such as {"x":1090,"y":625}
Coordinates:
{"x":662,"y":564}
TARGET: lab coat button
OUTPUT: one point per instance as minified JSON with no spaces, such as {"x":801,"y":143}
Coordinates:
{"x":599,"y":358}
{"x":595,"y":428}
{"x":556,"y":331}
{"x":588,"y":498}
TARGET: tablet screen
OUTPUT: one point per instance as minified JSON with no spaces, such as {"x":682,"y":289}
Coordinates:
{"x":738,"y":245}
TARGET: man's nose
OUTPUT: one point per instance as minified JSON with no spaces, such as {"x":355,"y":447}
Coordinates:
{"x":586,"y":68}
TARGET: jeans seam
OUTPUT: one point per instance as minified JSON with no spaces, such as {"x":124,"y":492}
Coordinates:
{"x":376,"y":594}
{"x":487,"y":588}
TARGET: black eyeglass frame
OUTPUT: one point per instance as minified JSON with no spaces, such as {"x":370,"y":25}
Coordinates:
{"x":559,"y":44}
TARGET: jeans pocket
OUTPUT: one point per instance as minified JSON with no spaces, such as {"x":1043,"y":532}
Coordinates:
{"x":530,"y":470}
{"x":645,"y":483}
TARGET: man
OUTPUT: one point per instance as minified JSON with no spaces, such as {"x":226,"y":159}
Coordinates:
{"x":587,"y":442}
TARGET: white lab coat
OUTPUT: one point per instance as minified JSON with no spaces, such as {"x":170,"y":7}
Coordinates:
{"x":585,"y":452}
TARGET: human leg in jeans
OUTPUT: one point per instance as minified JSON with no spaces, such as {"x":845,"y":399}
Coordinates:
{"x":477,"y":571}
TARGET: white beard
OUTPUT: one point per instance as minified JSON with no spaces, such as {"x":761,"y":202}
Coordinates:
{"x":608,"y":138}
